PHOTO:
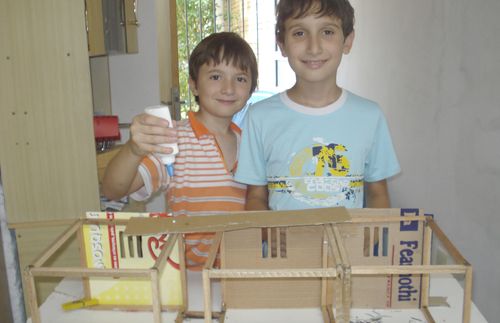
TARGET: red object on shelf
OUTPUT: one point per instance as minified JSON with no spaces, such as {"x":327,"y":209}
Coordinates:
{"x":106,"y":128}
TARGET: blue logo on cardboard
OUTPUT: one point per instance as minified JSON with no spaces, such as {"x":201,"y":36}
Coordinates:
{"x":408,"y":225}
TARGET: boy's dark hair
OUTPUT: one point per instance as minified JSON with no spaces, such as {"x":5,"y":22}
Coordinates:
{"x":225,"y":47}
{"x":287,"y":9}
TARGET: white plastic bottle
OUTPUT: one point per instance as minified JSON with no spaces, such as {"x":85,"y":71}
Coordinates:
{"x":162,"y":111}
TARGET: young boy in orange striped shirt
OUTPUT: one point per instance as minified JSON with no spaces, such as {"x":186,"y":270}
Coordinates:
{"x":223,"y":75}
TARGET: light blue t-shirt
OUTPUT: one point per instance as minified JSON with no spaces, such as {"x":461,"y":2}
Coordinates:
{"x":315,"y":157}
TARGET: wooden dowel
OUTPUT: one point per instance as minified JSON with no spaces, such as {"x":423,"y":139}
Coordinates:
{"x":83,"y":263}
{"x":40,"y":224}
{"x":334,"y":250}
{"x":180,"y":316}
{"x":207,"y":269}
{"x":49,"y":251}
{"x":223,"y":282}
{"x":222,"y":316}
{"x":346,"y":294}
{"x":166,"y":251}
{"x":467,"y":295}
{"x":207,"y":301}
{"x":200,"y":315}
{"x":182,"y":270}
{"x":274,"y":273}
{"x":29,"y":280}
{"x":457,"y":256}
{"x":155,"y":295}
{"x":387,"y":218}
{"x":333,"y":246}
{"x":427,"y":314}
{"x":395,"y":270}
{"x":324,"y":264}
{"x":341,"y":246}
{"x":426,"y":260}
{"x":88,"y":272}
{"x":327,"y":314}
{"x":212,"y":253}
{"x":331,"y":315}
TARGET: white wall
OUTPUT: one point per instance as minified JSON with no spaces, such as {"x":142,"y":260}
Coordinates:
{"x":434,"y":66}
{"x":134,"y":79}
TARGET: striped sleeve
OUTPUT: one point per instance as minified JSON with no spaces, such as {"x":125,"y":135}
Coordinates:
{"x":154,"y":177}
{"x":197,"y":247}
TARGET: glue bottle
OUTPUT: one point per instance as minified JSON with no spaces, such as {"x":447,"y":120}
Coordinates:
{"x":162,"y":111}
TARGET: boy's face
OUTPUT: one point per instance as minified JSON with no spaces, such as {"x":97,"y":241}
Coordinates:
{"x":314,"y":46}
{"x":223,"y":89}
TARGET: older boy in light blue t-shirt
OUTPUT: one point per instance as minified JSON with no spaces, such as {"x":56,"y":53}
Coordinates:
{"x":316,"y":144}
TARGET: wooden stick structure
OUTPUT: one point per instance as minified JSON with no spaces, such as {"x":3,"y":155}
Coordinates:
{"x":323,"y":272}
{"x":344,"y":272}
{"x":155,"y":289}
{"x":426,"y":261}
{"x":212,"y":255}
{"x":39,"y":269}
{"x":327,"y":271}
{"x":326,"y":301}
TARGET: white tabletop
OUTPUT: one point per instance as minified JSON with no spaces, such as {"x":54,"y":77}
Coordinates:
{"x":71,"y":289}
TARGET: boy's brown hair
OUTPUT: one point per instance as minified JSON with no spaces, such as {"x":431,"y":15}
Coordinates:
{"x":225,"y":47}
{"x":288,"y":9}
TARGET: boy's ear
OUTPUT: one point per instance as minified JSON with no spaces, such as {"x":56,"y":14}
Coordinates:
{"x":192,"y":86}
{"x":348,"y":43}
{"x":281,"y":46}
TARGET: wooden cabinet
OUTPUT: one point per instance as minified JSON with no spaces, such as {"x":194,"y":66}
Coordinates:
{"x":47,"y":149}
{"x":48,"y":159}
{"x":131,"y":24}
{"x":95,"y":27}
{"x":111,"y":26}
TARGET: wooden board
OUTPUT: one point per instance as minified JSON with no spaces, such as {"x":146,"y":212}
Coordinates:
{"x":47,"y":148}
{"x":237,"y":221}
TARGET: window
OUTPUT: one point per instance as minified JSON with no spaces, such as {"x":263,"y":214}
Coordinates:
{"x":254,"y":20}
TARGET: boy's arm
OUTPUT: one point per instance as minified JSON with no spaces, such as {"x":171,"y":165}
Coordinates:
{"x":121,"y":176}
{"x":377,"y":195}
{"x":257,"y":197}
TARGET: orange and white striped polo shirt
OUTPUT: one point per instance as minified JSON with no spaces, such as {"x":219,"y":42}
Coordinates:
{"x":201,"y":185}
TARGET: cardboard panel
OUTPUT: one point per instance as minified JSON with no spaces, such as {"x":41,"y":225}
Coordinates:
{"x":243,"y":249}
{"x":366,"y":244}
{"x":397,"y":243}
{"x":272,"y":293}
{"x":106,"y":246}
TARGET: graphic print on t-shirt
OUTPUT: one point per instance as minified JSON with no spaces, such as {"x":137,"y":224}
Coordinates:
{"x":320,"y":177}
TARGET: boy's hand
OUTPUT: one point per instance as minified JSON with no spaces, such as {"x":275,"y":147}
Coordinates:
{"x":147,"y":132}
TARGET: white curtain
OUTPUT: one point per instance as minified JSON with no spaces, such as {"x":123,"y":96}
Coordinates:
{"x":12,"y":265}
